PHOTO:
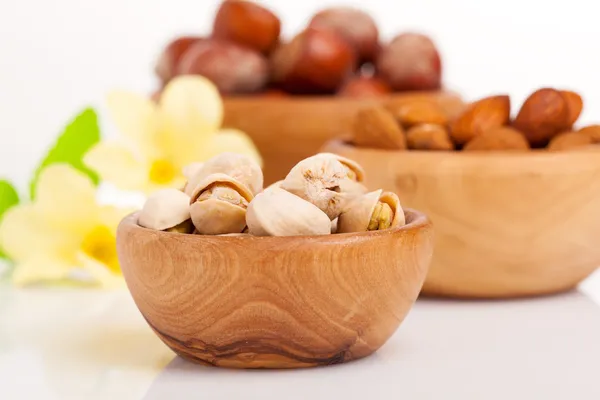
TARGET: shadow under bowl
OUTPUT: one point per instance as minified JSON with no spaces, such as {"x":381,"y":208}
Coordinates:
{"x":275,"y":302}
{"x":507,"y":224}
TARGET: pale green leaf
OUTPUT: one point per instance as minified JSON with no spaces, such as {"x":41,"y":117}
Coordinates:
{"x":77,"y":138}
{"x":8,"y":198}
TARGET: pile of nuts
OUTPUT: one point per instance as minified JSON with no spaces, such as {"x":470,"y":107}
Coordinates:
{"x":546,"y":120}
{"x":338,"y":53}
{"x":322,"y":194}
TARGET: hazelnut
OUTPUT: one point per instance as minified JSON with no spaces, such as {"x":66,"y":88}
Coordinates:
{"x":501,"y":138}
{"x":543,"y":115}
{"x":232,"y":68}
{"x":166,"y":67}
{"x":411,"y":62}
{"x":592,"y":131}
{"x":418,"y":112}
{"x":354,"y":25}
{"x":315,"y":61}
{"x":248,"y":24}
{"x":479,"y":117}
{"x":429,"y":137}
{"x":363,"y":86}
{"x":574,"y":105}
{"x":569,"y":140}
{"x":376,"y":127}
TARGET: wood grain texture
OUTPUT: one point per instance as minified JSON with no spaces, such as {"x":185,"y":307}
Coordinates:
{"x":506,"y":224}
{"x":275,"y":302}
{"x":289,"y":129}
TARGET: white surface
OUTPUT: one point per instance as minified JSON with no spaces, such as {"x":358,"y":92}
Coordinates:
{"x":65,"y":344}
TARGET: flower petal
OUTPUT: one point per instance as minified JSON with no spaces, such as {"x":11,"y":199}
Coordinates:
{"x":100,"y":273}
{"x":40,"y":269}
{"x":66,"y":199}
{"x":23,"y":230}
{"x":137,"y":119}
{"x":191,"y":111}
{"x":234,"y":141}
{"x":117,"y":164}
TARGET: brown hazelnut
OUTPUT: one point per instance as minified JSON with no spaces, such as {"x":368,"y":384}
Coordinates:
{"x":429,"y":137}
{"x":501,"y":138}
{"x":411,"y":62}
{"x":363,"y":86}
{"x":315,"y":61}
{"x":418,"y":112}
{"x":166,"y":67}
{"x":232,"y":68}
{"x":569,"y":140}
{"x":376,"y":127}
{"x":592,"y":131}
{"x":574,"y":105}
{"x":356,"y":26}
{"x":248,"y":24}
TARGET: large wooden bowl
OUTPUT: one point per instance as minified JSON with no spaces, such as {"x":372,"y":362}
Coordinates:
{"x":291,"y":128}
{"x":275,"y":302}
{"x":507,"y":224}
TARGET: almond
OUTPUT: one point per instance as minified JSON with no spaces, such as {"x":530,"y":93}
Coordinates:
{"x":543,"y":115}
{"x":502,"y":138}
{"x":592,"y":131}
{"x":569,"y":140}
{"x":419,"y":112}
{"x":429,"y":137}
{"x":376,"y":127}
{"x":574,"y":105}
{"x":481,"y":116}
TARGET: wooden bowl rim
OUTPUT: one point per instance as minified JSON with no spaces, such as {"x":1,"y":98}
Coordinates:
{"x":416,"y":221}
{"x":329,"y":98}
{"x":534,"y":154}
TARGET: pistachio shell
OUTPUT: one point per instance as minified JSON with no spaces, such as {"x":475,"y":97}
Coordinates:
{"x":276,"y":212}
{"x":352,"y":187}
{"x":334,"y":225}
{"x":358,"y":215}
{"x":165,"y":209}
{"x":192,"y":169}
{"x":357,"y":172}
{"x":240,"y":167}
{"x":317,"y":179}
{"x":394,"y":202}
{"x":224,"y":208}
{"x":274,"y":185}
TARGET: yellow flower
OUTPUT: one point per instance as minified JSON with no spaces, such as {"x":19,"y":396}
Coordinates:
{"x":63,"y":230}
{"x":159,"y":140}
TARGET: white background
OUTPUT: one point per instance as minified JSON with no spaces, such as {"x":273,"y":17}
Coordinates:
{"x":58,"y":56}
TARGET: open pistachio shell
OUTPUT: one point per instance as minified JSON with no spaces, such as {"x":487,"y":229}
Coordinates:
{"x":240,"y":167}
{"x":165,"y":209}
{"x":218,"y":205}
{"x":355,"y":171}
{"x":372,"y":211}
{"x":276,"y":212}
{"x":318,"y":179}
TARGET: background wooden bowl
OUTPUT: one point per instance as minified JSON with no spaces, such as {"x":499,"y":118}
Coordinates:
{"x":275,"y":302}
{"x":288,"y":129}
{"x":506,"y":224}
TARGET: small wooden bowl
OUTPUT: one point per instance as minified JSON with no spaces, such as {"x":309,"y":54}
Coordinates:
{"x":275,"y":302}
{"x":507,"y":224}
{"x":287,"y":129}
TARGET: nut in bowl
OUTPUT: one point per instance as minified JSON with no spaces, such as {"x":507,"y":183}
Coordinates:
{"x":510,"y":220}
{"x":282,"y":290}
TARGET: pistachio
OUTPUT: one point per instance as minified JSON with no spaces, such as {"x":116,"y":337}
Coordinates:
{"x":354,"y":172}
{"x":165,"y":209}
{"x":184,"y":227}
{"x":276,"y":212}
{"x":218,"y":205}
{"x":372,"y":212}
{"x":319,"y":180}
{"x":192,"y":169}
{"x":240,"y":167}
